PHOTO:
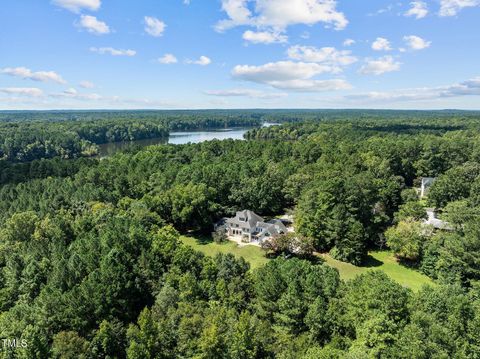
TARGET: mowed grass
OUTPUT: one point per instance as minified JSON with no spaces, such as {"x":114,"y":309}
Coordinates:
{"x":385,"y":261}
{"x":252,"y":254}
{"x":378,"y":260}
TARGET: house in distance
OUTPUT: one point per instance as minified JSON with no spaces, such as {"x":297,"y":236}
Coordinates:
{"x":250,"y":227}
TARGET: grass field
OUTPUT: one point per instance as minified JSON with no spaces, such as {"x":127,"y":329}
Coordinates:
{"x":385,"y":261}
{"x":252,"y":254}
{"x":381,"y":260}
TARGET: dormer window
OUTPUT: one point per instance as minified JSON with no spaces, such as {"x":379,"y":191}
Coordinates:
{"x":243,"y":219}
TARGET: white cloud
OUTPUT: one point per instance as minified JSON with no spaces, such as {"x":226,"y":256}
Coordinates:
{"x":87,"y":84}
{"x":305,"y":35}
{"x":167,"y":59}
{"x":237,"y":12}
{"x":93,"y":25}
{"x":466,"y":88}
{"x":78,"y":5}
{"x":154,"y":26}
{"x":349,"y":42}
{"x":33,"y":98}
{"x":381,"y":11}
{"x":264,"y":37}
{"x":416,"y":43}
{"x":380,"y":66}
{"x":72,"y":93}
{"x":247,"y":93}
{"x":279,"y":71}
{"x":22,"y":91}
{"x":453,"y":7}
{"x":25,"y":73}
{"x":279,"y":14}
{"x":381,"y":44}
{"x":325,"y":55}
{"x":288,"y":75}
{"x":202,"y":61}
{"x":112,"y":51}
{"x":418,"y":9}
{"x":312,"y":85}
{"x":469,"y":87}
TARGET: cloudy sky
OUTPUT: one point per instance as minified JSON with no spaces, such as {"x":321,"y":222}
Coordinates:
{"x":80,"y":54}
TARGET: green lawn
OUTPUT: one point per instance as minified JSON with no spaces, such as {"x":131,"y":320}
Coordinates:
{"x":381,"y":260}
{"x":252,"y":254}
{"x":385,"y":261}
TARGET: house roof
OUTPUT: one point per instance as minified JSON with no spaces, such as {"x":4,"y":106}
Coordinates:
{"x":254,"y":221}
{"x":275,"y":226}
{"x":251,"y":218}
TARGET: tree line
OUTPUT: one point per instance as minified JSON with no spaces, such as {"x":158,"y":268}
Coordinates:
{"x":28,"y":136}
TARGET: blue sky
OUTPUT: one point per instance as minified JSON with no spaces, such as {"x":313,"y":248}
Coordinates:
{"x":101,"y":54}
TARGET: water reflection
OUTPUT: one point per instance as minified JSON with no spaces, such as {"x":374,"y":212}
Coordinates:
{"x":176,"y":138}
{"x":182,"y":137}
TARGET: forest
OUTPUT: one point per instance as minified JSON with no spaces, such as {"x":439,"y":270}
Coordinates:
{"x":28,"y":136}
{"x":92,"y":265}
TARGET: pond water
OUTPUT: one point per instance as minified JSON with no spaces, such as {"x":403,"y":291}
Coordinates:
{"x":182,"y":137}
{"x":176,"y":138}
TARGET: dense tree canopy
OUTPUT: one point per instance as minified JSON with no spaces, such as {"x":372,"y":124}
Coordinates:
{"x":92,"y":265}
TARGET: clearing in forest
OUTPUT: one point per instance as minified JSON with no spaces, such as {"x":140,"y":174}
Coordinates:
{"x":377,"y":260}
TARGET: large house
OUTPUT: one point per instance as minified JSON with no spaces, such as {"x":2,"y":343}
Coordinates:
{"x":250,"y":227}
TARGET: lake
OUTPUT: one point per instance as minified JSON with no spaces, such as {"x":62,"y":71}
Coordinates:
{"x":176,"y":138}
{"x":182,"y":137}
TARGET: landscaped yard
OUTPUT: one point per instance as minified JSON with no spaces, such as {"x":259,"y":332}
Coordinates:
{"x":385,"y":261}
{"x":252,"y":254}
{"x":381,"y":260}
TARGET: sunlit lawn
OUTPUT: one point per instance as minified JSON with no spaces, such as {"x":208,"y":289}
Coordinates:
{"x":379,"y":260}
{"x":252,"y":254}
{"x":385,"y":261}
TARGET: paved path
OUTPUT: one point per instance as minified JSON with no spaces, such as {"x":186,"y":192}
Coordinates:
{"x":238,"y":240}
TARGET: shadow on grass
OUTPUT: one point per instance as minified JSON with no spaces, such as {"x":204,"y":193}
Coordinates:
{"x":371,"y":262}
{"x":409,"y":263}
{"x":311,"y":258}
{"x":200,"y":237}
{"x":204,"y":239}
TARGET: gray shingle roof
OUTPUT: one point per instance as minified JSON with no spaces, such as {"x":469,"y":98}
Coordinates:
{"x":252,"y":221}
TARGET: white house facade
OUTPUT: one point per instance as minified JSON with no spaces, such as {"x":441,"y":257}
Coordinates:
{"x":250,"y":227}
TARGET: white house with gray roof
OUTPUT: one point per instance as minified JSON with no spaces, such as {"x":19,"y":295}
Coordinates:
{"x":250,"y":227}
